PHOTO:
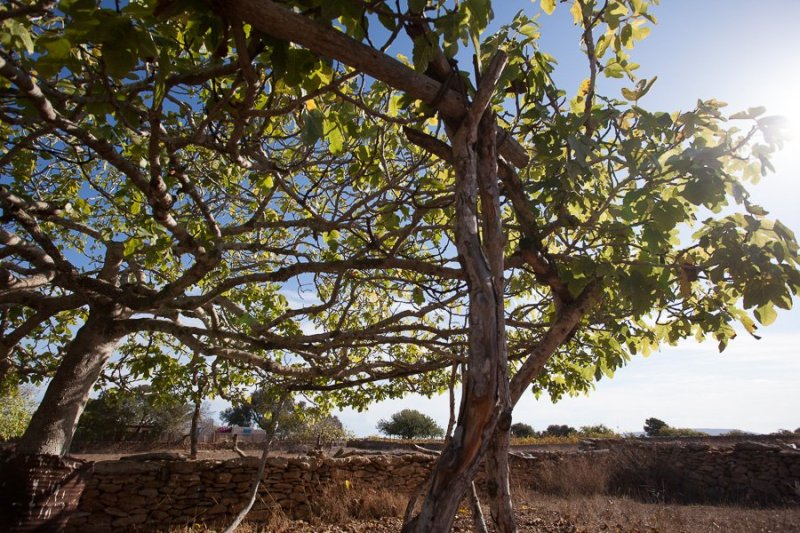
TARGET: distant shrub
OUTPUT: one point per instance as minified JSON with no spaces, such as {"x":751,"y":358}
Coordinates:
{"x":736,"y":433}
{"x":522,"y":431}
{"x":598,"y":431}
{"x":679,"y":432}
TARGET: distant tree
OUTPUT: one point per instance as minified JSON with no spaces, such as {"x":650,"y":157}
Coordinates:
{"x":652,"y":426}
{"x":241,"y":415}
{"x":136,"y":414}
{"x":17,"y":407}
{"x":560,"y":430}
{"x":522,"y":431}
{"x":410,"y":424}
{"x":598,"y":430}
{"x":323,"y":430}
{"x":255,"y":411}
{"x":296,"y":421}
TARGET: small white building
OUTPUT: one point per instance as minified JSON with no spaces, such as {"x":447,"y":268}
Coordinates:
{"x":253,"y":434}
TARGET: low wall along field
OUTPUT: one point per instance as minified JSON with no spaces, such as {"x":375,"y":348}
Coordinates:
{"x":159,"y":494}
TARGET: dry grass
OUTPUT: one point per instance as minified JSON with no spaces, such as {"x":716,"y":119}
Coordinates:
{"x":546,"y":441}
{"x":628,"y":492}
{"x":579,"y":476}
{"x":338,"y":504}
{"x":603,"y":513}
{"x":371,"y":512}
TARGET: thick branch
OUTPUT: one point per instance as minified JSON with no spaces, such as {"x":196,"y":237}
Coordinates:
{"x":563,"y":326}
{"x":276,"y":21}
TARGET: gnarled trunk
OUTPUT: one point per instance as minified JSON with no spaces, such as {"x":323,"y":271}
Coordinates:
{"x":28,"y":492}
{"x":485,"y":389}
{"x":53,"y":424}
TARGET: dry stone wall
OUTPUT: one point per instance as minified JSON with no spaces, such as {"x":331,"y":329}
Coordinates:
{"x":153,"y":494}
{"x":747,"y":472}
{"x":158,"y":494}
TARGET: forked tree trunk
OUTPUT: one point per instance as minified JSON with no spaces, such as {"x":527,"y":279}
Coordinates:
{"x":485,"y":389}
{"x":53,"y":425}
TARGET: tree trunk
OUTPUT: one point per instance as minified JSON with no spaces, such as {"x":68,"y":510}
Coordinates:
{"x":269,"y":436}
{"x":478,"y":521}
{"x":498,"y":484}
{"x":485,"y":389}
{"x":193,"y":431}
{"x":27,"y":491}
{"x":53,"y":424}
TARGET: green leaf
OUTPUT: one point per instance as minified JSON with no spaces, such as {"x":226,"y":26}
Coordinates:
{"x":626,"y":36}
{"x":416,"y":6}
{"x":480,"y":13}
{"x":118,"y":60}
{"x":313,"y":129}
{"x":22,"y":34}
{"x":57,"y":49}
{"x":751,"y":113}
{"x":335,"y":139}
{"x":756,"y":210}
{"x":424,"y":52}
{"x":131,"y":245}
{"x":418,"y":296}
{"x":700,"y":191}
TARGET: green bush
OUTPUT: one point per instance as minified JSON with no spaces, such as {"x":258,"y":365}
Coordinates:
{"x":410,"y":424}
{"x":17,"y":407}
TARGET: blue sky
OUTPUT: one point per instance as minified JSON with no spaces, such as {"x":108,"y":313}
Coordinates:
{"x":744,"y":53}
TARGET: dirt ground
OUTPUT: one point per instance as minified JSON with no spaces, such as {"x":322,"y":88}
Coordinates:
{"x":201,"y":454}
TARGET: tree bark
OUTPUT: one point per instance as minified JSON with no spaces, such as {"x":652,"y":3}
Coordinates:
{"x":497,"y":480}
{"x":53,"y":424}
{"x":497,"y":471}
{"x":498,"y":486}
{"x":478,"y":520}
{"x":193,"y":431}
{"x":486,"y":383}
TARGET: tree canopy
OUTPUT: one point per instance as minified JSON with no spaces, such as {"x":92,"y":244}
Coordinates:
{"x":270,"y":186}
{"x":296,"y":420}
{"x":137,"y":414}
{"x":652,"y":426}
{"x":410,"y":424}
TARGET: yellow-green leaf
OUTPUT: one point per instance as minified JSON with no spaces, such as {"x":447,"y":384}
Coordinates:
{"x":766,"y":314}
{"x":548,"y":6}
{"x":577,"y":12}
